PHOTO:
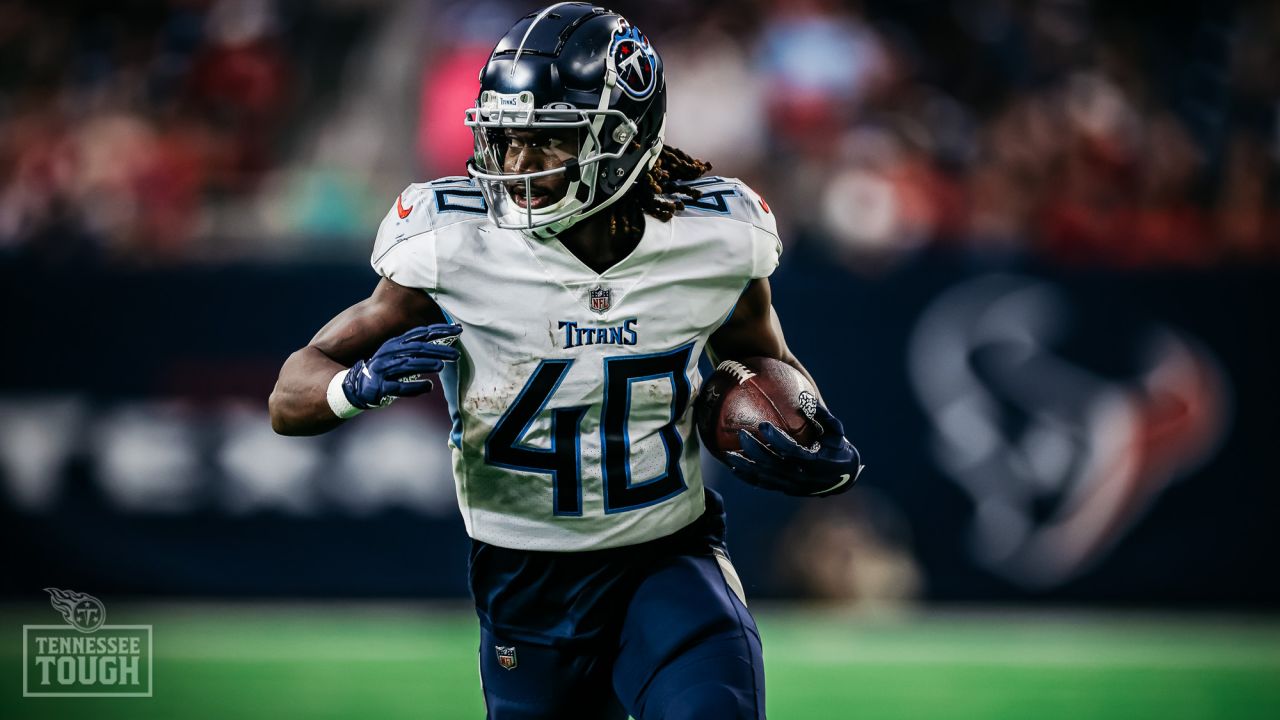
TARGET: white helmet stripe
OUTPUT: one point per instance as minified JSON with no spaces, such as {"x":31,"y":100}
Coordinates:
{"x":520,"y":50}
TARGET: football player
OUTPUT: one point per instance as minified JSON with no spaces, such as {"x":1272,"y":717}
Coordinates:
{"x":564,"y":291}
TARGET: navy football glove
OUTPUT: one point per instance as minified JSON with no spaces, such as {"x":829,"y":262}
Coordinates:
{"x":399,"y":367}
{"x":779,"y":463}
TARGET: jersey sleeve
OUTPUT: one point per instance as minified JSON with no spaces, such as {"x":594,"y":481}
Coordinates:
{"x":766,"y":246}
{"x":404,"y":250}
{"x":748,"y":226}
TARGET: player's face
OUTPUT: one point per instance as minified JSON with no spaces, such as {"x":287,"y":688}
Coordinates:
{"x":533,"y":151}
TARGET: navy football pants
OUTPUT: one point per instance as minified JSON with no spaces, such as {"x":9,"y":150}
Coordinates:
{"x":685,"y":648}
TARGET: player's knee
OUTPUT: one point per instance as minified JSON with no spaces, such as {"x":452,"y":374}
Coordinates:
{"x":713,"y":701}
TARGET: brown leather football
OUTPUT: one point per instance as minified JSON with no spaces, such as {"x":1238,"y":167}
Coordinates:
{"x":740,"y":395}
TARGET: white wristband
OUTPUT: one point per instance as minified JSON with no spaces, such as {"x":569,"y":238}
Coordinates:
{"x":338,"y":401}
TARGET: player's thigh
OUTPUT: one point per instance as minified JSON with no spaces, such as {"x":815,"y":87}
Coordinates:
{"x":689,"y":648}
{"x":536,"y":682}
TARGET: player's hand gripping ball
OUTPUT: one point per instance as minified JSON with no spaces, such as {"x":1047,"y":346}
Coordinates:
{"x":399,"y":368}
{"x":761,"y":417}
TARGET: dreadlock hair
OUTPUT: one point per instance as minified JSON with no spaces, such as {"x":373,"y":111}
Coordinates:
{"x":656,"y":193}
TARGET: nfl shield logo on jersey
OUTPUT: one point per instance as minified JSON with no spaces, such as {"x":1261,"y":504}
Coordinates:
{"x":506,"y":656}
{"x":601,"y":298}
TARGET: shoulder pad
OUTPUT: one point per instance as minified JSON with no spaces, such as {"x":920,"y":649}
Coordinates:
{"x":423,"y":207}
{"x":729,"y":198}
{"x":421,"y":210}
{"x":732,"y":199}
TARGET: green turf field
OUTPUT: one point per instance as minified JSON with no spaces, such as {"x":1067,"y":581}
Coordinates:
{"x":252,"y":661}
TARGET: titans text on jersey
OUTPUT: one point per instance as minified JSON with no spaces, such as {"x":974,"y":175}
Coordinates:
{"x":624,"y":334}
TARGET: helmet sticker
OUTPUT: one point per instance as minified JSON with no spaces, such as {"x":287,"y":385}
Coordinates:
{"x":635,"y":61}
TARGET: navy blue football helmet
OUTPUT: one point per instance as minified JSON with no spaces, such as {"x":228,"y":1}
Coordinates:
{"x":570,"y":68}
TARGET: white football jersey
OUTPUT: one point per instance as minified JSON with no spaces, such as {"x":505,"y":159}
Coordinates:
{"x":572,"y":401}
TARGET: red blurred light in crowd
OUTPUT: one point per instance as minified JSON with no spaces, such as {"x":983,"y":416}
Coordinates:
{"x":449,"y":87}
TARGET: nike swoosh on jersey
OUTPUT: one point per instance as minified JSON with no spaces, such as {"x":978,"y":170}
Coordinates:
{"x":401,"y":210}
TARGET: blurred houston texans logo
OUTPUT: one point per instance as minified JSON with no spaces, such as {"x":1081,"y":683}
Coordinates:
{"x":635,"y":61}
{"x":82,"y":611}
{"x":1059,"y":459}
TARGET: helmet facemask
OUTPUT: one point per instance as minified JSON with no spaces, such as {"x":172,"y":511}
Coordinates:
{"x":572,"y":143}
{"x":538,"y":167}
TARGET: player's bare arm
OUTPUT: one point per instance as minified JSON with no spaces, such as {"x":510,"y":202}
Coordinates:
{"x":773,"y":460}
{"x":299,"y":404}
{"x":753,"y":330}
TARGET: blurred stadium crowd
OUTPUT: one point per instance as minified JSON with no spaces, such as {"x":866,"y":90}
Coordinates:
{"x":1103,"y":134}
{"x":1054,"y":223}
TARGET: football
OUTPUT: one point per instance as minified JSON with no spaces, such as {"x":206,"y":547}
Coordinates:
{"x":740,"y":395}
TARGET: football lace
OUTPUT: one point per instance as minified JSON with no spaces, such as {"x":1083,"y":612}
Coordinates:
{"x":737,"y":370}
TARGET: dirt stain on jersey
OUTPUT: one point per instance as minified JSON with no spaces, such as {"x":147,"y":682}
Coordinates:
{"x":489,"y":402}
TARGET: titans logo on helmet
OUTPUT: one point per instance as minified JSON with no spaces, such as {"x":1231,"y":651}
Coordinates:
{"x":635,"y":61}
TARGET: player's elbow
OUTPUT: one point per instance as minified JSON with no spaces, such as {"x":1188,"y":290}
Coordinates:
{"x":281,"y":423}
{"x":294,"y":416}
{"x":285,"y":418}
{"x":282,"y":427}
{"x":297,"y":404}
{"x":291,"y":424}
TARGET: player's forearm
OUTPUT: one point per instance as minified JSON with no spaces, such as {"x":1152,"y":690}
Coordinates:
{"x":298,"y":405}
{"x":754,"y":330}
